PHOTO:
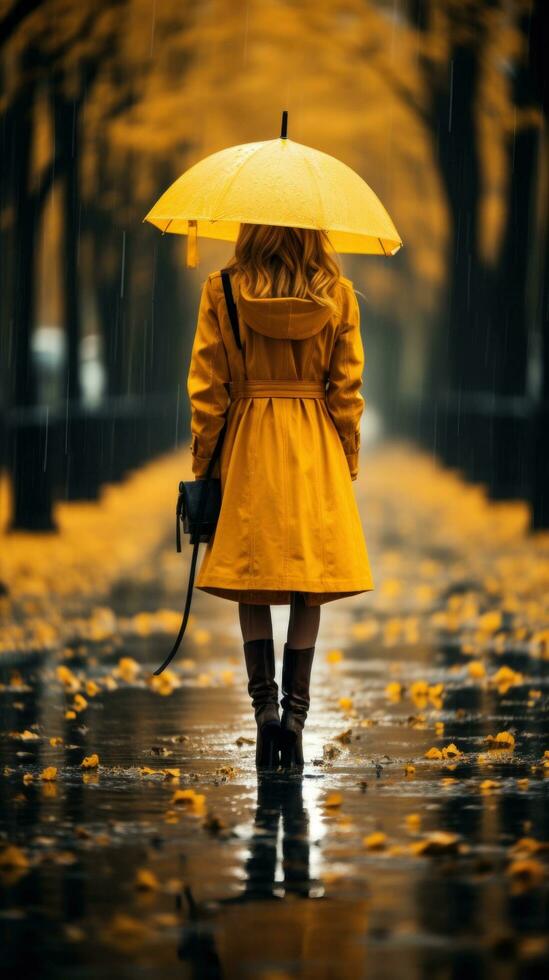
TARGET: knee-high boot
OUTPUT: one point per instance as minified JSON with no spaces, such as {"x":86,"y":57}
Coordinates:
{"x":296,"y":676}
{"x":263,"y":690}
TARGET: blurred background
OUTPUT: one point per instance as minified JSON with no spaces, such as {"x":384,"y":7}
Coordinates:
{"x":439,"y":104}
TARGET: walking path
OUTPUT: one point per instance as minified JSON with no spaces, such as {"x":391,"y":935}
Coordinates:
{"x":136,"y":834}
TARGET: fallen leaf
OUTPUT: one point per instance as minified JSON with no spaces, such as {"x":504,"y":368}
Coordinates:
{"x":376,"y":841}
{"x":437,"y":842}
{"x":49,"y":774}
{"x":146,"y":880}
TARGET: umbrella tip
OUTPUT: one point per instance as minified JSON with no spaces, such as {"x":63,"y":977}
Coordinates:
{"x":284,"y":127}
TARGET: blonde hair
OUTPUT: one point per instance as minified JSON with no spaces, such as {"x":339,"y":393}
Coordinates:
{"x":273,"y":260}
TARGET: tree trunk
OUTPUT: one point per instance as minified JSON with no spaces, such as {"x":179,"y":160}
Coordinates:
{"x":31,"y":437}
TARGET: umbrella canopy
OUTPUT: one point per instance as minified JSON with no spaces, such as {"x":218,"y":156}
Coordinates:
{"x":276,"y":182}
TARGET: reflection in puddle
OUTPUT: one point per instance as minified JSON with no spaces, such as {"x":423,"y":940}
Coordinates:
{"x":278,"y":865}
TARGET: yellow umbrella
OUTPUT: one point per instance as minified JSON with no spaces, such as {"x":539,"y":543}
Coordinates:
{"x":275,"y":182}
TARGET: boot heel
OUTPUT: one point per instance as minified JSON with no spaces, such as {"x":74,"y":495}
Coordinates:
{"x":291,"y":750}
{"x":267,"y":754}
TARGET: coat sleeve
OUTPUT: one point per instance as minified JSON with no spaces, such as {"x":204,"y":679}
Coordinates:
{"x":207,"y":385}
{"x":344,"y":400}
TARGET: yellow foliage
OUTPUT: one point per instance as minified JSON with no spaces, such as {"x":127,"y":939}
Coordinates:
{"x":192,"y":801}
{"x":49,"y":774}
{"x":90,"y":761}
{"x":163,"y":683}
{"x":487,"y":785}
{"x":333,"y":800}
{"x":26,"y":736}
{"x":525,"y":873}
{"x":491,"y":621}
{"x":13,"y":857}
{"x":413,"y":821}
{"x":437,"y":842}
{"x":376,"y":841}
{"x":346,"y":704}
{"x":66,"y":677}
{"x":146,"y":880}
{"x":127,"y":669}
{"x":505,"y":678}
{"x":503,"y":740}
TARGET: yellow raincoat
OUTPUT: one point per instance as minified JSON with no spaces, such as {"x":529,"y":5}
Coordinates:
{"x":289,"y":519}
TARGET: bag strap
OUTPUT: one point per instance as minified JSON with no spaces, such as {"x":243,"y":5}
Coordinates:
{"x":231,"y":305}
{"x":233,"y":316}
{"x":200,"y":514}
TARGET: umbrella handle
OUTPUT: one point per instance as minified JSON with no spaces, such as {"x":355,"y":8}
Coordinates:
{"x":284,"y":127}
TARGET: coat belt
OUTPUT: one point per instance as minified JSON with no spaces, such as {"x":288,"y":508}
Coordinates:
{"x":277,"y":389}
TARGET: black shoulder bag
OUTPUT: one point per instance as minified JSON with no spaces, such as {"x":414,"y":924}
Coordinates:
{"x":199,"y":501}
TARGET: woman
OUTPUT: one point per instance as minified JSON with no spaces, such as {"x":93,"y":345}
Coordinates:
{"x":289,"y":531}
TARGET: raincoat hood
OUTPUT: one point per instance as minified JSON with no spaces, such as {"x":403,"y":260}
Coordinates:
{"x":283,"y":317}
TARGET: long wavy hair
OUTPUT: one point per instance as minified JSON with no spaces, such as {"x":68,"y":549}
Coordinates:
{"x":273,"y":260}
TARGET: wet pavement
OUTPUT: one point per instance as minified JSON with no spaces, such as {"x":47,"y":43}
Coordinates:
{"x":416,"y":842}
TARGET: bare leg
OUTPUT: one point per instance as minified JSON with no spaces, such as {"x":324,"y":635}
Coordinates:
{"x":303,"y":623}
{"x":255,"y":621}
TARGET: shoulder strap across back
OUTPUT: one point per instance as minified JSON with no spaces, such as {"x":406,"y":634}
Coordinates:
{"x":231,"y":305}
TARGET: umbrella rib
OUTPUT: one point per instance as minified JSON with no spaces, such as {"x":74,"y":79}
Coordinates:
{"x":382,"y":245}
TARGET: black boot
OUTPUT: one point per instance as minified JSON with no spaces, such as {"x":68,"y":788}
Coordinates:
{"x":296,"y":676}
{"x":263,"y":690}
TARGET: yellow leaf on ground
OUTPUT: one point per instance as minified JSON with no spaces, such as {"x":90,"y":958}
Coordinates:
{"x":49,"y":774}
{"x":503,"y":740}
{"x":90,"y":761}
{"x":525,"y":874}
{"x":489,"y":622}
{"x":413,"y":821}
{"x":13,"y":857}
{"x":127,"y":669}
{"x":487,"y":785}
{"x":188,"y":798}
{"x":65,"y":676}
{"x":376,"y":841}
{"x":146,"y":880}
{"x":346,"y":704}
{"x":26,"y":736}
{"x":438,"y":842}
